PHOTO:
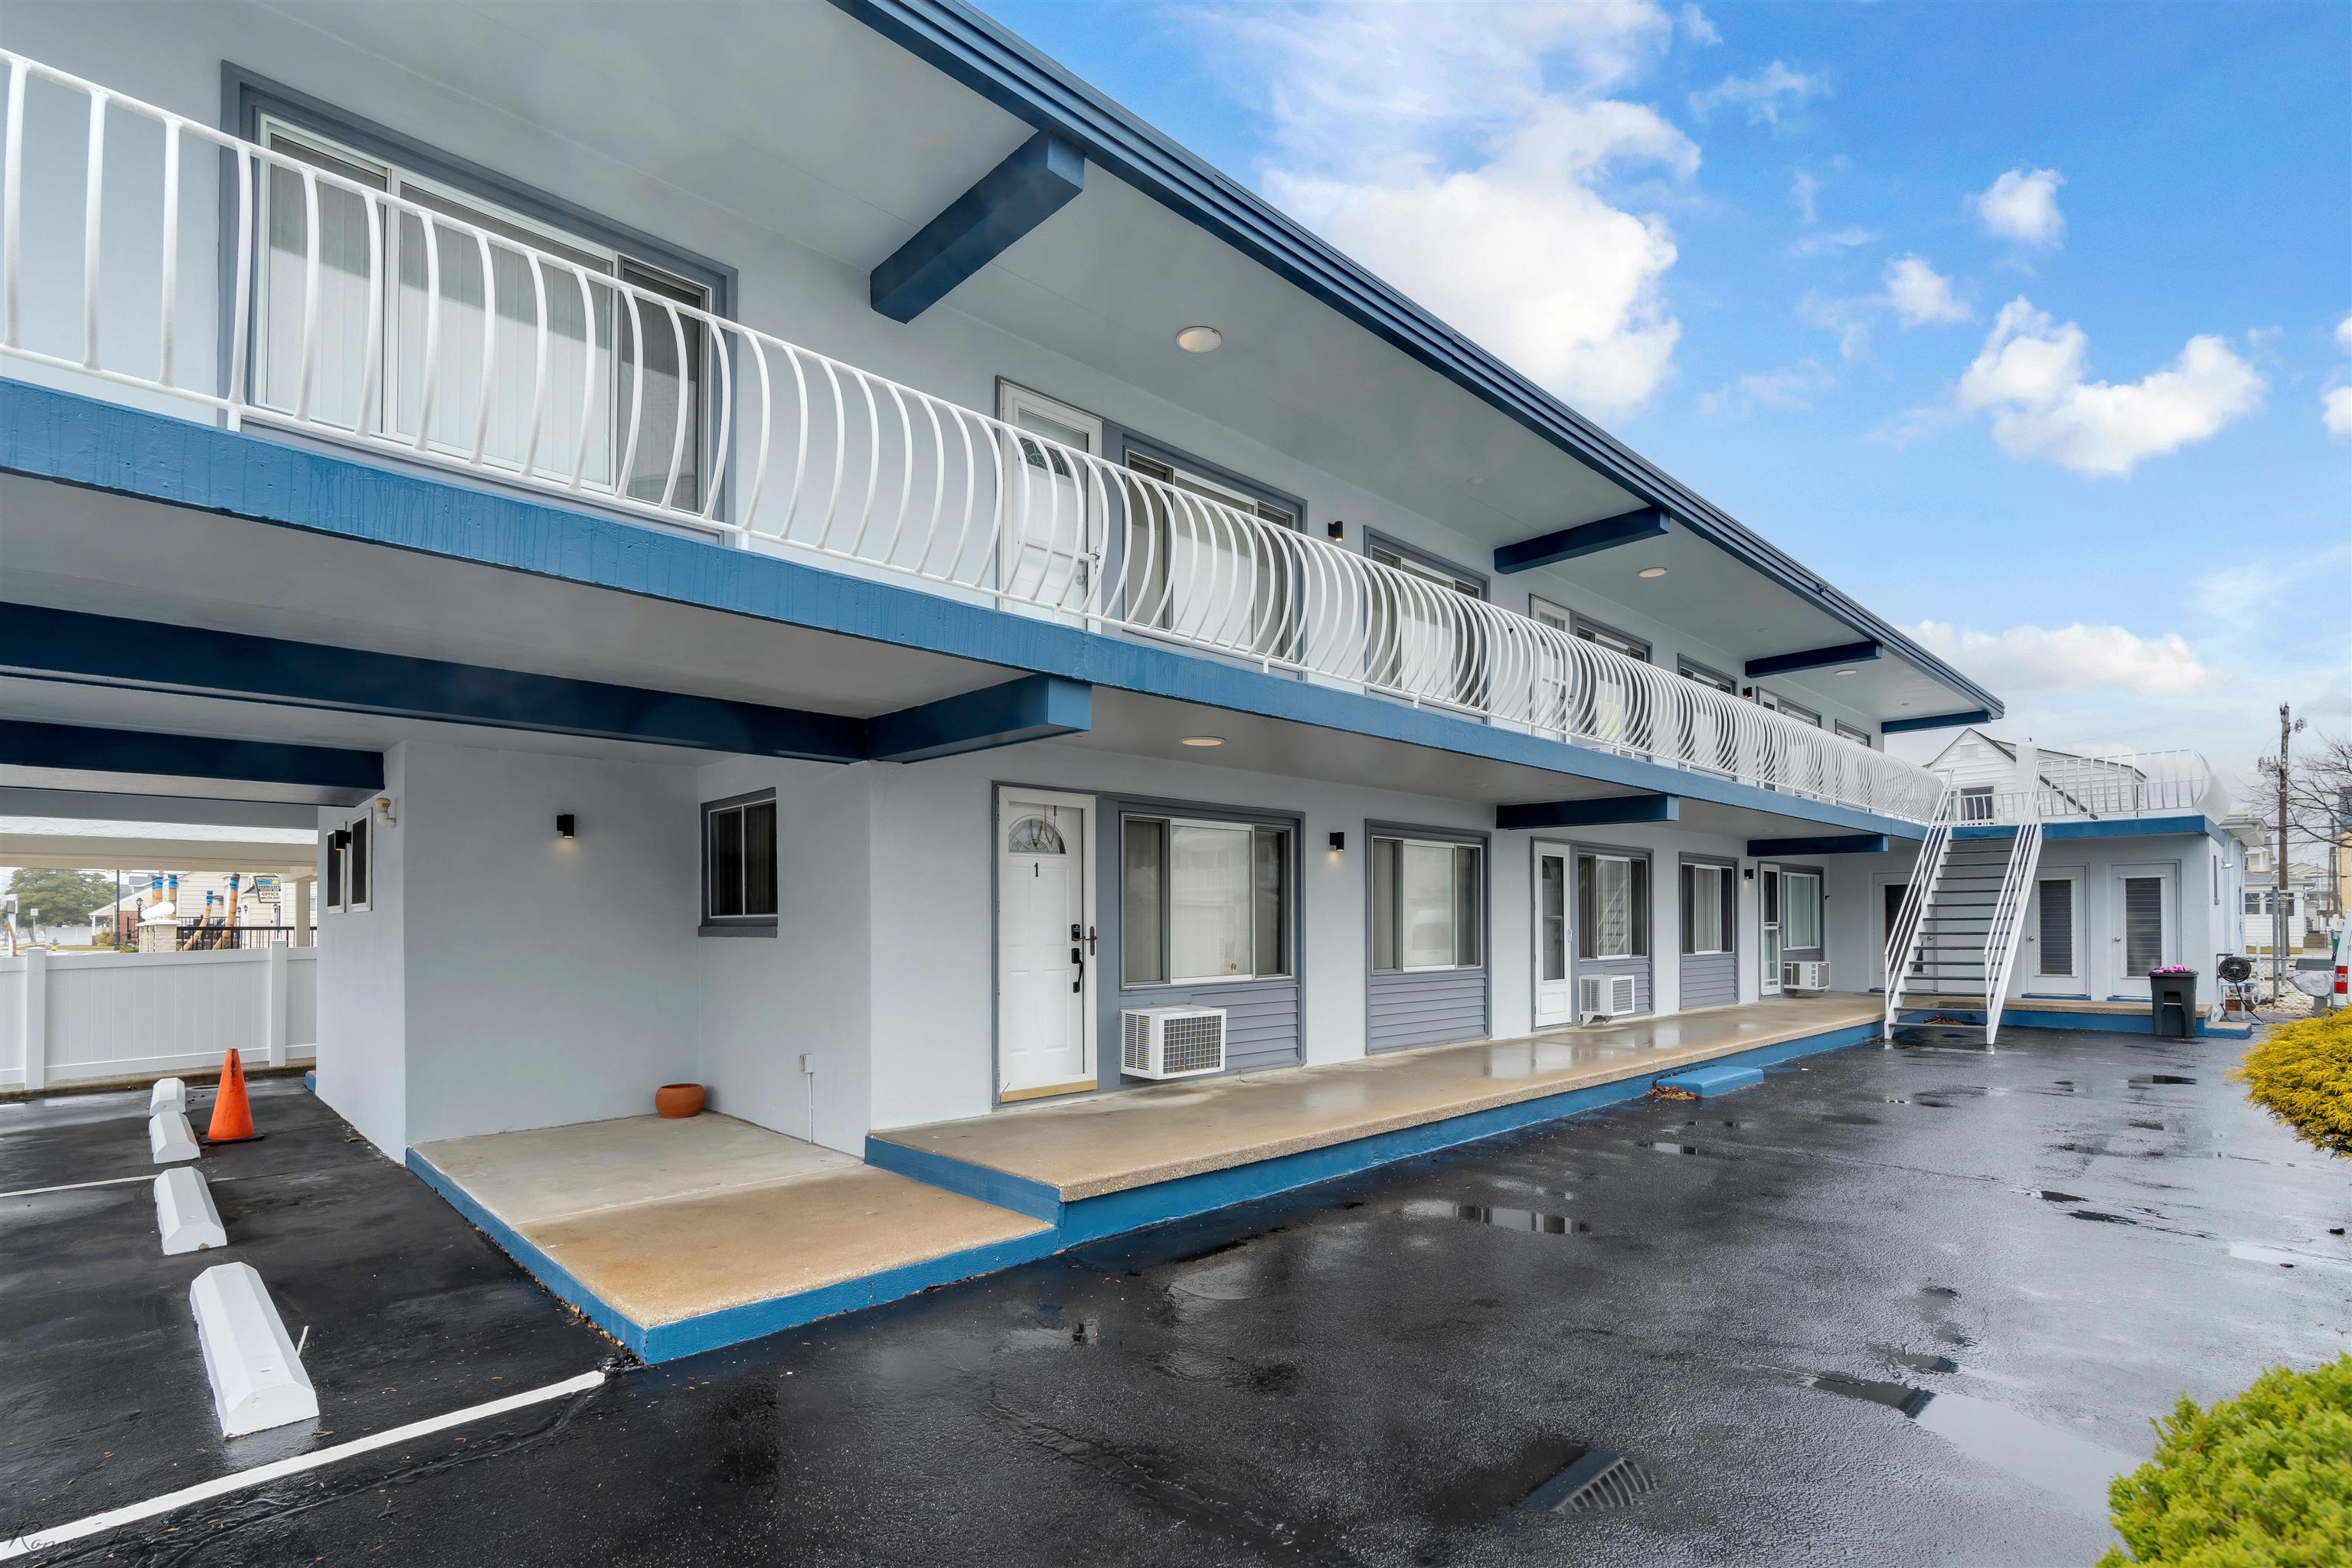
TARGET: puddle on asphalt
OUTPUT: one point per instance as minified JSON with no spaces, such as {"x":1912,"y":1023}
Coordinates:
{"x":1851,"y":1119}
{"x":2103,"y":1217}
{"x":2147,"y":1126}
{"x":1934,"y":1104}
{"x":2253,"y":1252}
{"x":2049,"y":1196}
{"x":2149,"y":1081}
{"x":1667,"y":1146}
{"x":1530,"y":1220}
{"x":1478,"y":1497}
{"x":1919,"y":1361}
{"x":2075,"y":1467}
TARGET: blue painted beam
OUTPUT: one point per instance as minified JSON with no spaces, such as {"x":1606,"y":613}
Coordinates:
{"x":1936,"y":722}
{"x":144,"y":754}
{"x":1816,"y":659}
{"x":1031,"y":185}
{"x":1845,"y":844}
{"x":1605,"y":812}
{"x":1034,"y":707}
{"x":1584,"y":539}
{"x":108,"y":650}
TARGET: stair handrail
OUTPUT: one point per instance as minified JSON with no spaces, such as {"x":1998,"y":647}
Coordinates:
{"x":2006,"y":928}
{"x":1911,"y":918}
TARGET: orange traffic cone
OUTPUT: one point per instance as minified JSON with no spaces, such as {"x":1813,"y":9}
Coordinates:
{"x":232,"y":1116}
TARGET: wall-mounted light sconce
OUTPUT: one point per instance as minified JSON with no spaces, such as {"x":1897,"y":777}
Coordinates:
{"x":1339,"y":841}
{"x":566,"y":824}
{"x":383,"y":809}
{"x":1335,"y":529}
{"x":1749,"y":874}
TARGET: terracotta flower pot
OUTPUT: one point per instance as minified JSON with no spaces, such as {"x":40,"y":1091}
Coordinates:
{"x":679,"y":1099}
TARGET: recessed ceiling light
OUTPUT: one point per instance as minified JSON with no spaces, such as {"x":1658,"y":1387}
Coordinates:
{"x":1199,"y":340}
{"x":1203,"y":740}
{"x":1651,"y":572}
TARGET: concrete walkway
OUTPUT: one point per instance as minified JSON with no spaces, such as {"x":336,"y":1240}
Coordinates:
{"x":1109,"y":1143}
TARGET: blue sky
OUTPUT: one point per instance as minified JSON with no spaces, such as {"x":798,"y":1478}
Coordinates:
{"x":2017,"y":321}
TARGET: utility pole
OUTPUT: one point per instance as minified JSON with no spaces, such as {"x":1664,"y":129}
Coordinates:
{"x":2287,"y":727}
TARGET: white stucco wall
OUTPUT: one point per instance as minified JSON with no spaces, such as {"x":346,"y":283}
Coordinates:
{"x":363,"y":1063}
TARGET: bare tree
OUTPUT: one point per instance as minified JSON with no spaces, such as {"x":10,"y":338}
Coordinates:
{"x":2318,"y":797}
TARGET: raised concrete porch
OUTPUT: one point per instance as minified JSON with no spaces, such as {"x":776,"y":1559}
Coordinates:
{"x":683,"y":1235}
{"x":2111,"y":1014}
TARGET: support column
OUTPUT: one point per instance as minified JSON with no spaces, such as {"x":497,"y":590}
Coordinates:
{"x":33,"y":1017}
{"x":303,"y":935}
{"x":273,"y":1005}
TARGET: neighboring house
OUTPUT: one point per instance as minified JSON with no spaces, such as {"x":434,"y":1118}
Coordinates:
{"x":775,"y":591}
{"x":2139,"y":862}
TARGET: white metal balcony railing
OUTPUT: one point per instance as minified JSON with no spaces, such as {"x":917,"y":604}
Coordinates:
{"x":2097,"y":786}
{"x":369,"y":319}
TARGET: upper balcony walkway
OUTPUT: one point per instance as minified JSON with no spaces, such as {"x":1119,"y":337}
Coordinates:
{"x":2052,"y":786}
{"x":366,"y":319}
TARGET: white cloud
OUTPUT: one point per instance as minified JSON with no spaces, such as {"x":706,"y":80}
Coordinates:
{"x":1761,"y":94}
{"x":1823,"y":241}
{"x":2022,"y":205}
{"x":1467,"y":154}
{"x":1919,"y":295}
{"x":2078,"y":658}
{"x":2031,"y":378}
{"x":1791,"y":389}
{"x":2335,"y":401}
{"x":1805,"y":193}
{"x":1914,"y":291}
{"x":2344,"y":334}
{"x":1697,"y":28}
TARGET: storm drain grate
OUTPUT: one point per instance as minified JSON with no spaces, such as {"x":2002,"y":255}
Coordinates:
{"x":1599,"y":1479}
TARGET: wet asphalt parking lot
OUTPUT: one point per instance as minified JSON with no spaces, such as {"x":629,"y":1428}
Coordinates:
{"x":1906,"y":1305}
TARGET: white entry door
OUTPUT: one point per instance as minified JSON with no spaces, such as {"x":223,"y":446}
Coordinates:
{"x":1044,"y":941}
{"x":1555,"y":1004}
{"x":2143,"y":924}
{"x":1768,"y":902}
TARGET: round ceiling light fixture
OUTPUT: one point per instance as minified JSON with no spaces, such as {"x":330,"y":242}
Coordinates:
{"x":1651,"y":572}
{"x":1202,"y":740}
{"x":1199,"y":340}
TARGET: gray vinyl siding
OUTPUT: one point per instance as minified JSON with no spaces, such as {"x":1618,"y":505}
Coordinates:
{"x":1710,"y":979}
{"x":1433,"y":1007}
{"x":1639,"y":968}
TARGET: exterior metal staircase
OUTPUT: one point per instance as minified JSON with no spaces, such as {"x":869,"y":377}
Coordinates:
{"x":1957,"y":932}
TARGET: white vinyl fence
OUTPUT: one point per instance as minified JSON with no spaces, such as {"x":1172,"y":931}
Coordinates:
{"x":66,"y":1018}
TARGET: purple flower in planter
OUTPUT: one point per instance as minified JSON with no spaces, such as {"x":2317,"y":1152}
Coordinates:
{"x":2170,"y":969}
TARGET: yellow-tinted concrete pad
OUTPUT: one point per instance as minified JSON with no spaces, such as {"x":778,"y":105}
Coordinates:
{"x":660,"y":1262}
{"x":550,"y":1172}
{"x":1111,"y":1143}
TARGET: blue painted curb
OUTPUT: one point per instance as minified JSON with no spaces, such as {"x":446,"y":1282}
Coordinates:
{"x":1713,"y":1081}
{"x":2103,"y":1023}
{"x":1071,"y":1224}
{"x":310,"y":1081}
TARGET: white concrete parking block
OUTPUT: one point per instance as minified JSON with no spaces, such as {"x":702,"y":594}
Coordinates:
{"x":170,"y":1138}
{"x":257,"y":1380}
{"x":185,"y":1212}
{"x":169,"y":1094}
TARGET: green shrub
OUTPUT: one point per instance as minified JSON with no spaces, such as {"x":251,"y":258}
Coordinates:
{"x":2302,"y":1074}
{"x":2261,"y":1481}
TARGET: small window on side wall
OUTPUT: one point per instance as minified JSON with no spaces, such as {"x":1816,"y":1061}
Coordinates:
{"x":739,"y":866}
{"x":331,"y":884}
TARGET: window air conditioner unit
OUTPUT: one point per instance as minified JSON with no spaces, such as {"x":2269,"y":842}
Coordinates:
{"x":1171,"y":1042}
{"x":1601,"y":997}
{"x":1805,"y":974}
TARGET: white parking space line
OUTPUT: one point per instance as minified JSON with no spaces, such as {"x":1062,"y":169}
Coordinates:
{"x":40,"y":1540}
{"x":76,"y":1186}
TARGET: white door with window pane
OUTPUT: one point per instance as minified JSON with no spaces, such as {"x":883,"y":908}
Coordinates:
{"x":1044,"y":941}
{"x":1555,"y":996}
{"x":1767,"y":899}
{"x":1208,"y":562}
{"x":2054,"y":934}
{"x":2143,"y":924}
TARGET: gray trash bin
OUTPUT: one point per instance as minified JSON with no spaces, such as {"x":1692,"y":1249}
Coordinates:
{"x":2172,"y":1005}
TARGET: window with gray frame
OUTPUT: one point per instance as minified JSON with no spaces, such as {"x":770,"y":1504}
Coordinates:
{"x":1859,"y":736}
{"x":1202,"y":900}
{"x":1800,"y":910}
{"x":623,"y":373}
{"x":739,"y":866}
{"x":1709,"y":910}
{"x":1609,"y":636}
{"x":1612,"y":905}
{"x":1691,"y":670}
{"x":1178,"y":551}
{"x":1426,"y":901}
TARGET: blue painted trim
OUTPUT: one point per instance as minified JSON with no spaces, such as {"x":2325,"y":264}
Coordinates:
{"x":1860,"y":844}
{"x":2053,"y":1018}
{"x":117,"y":651}
{"x":1938,"y":720}
{"x":1585,"y":539}
{"x":1606,"y":812}
{"x":1816,"y":659}
{"x":1022,"y":1194}
{"x":1711,"y":1081}
{"x":1033,"y":184}
{"x":59,"y":435}
{"x":989,"y":58}
{"x":2106,"y":828}
{"x":1034,"y":707}
{"x":560,"y":1281}
{"x":146,"y":753}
